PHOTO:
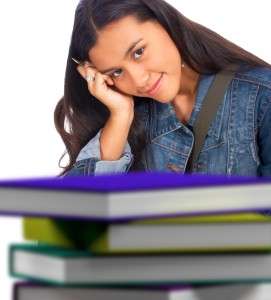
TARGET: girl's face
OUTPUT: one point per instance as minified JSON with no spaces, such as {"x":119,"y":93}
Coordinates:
{"x":141,"y":58}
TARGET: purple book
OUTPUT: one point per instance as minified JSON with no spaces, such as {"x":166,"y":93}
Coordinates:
{"x":25,"y":290}
{"x":130,"y":196}
{"x":251,"y":291}
{"x":36,"y":291}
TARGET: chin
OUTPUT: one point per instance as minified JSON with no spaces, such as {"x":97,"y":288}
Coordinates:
{"x":165,"y":98}
{"x":165,"y":101}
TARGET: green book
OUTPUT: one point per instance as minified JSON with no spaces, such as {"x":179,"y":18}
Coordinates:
{"x":64,"y":266}
{"x":220,"y":233}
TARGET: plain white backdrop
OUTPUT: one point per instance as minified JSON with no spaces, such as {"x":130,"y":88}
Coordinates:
{"x":34,"y":44}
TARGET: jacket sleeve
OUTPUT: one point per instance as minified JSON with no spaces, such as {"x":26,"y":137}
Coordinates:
{"x":264,"y":139}
{"x":89,"y":161}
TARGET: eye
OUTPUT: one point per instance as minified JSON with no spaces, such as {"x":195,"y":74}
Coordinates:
{"x":116,"y":73}
{"x":138,"y":53}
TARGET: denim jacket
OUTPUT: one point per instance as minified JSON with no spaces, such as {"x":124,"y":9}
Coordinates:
{"x":238,"y":141}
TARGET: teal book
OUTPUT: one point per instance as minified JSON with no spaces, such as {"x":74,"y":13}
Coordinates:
{"x":67,"y":267}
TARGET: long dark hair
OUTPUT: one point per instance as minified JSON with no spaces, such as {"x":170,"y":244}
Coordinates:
{"x":79,"y":116}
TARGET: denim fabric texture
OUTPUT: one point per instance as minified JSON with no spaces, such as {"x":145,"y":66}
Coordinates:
{"x":89,"y":160}
{"x":238,"y":141}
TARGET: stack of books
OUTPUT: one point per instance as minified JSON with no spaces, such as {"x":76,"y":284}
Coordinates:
{"x":141,"y":236}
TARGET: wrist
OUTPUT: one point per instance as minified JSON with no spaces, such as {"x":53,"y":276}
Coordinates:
{"x":123,"y":116}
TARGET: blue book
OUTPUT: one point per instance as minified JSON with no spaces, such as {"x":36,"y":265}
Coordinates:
{"x":130,"y":196}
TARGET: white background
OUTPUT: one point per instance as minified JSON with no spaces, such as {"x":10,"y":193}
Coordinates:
{"x":34,"y":43}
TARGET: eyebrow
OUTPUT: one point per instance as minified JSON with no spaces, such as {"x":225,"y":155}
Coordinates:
{"x":125,"y":55}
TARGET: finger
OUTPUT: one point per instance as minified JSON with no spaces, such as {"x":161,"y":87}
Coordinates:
{"x":98,"y":86}
{"x":99,"y":81}
{"x":108,"y":80}
{"x":90,"y":76}
{"x":81,"y":71}
{"x":88,"y":64}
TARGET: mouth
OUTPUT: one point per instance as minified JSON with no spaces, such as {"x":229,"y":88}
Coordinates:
{"x":153,"y":90}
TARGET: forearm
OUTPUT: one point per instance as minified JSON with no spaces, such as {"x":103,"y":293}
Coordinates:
{"x":114,"y":136}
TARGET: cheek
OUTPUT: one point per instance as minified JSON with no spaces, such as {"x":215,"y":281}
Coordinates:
{"x":169,"y":63}
{"x":172,"y":57}
{"x":123,"y":86}
{"x":176,"y":63}
{"x":155,"y":63}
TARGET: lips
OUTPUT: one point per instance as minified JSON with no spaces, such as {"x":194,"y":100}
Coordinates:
{"x":155,"y":87}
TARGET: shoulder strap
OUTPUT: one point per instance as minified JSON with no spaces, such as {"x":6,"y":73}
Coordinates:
{"x":208,"y":111}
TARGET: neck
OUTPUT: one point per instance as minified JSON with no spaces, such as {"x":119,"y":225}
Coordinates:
{"x":184,"y":101}
{"x":189,"y":82}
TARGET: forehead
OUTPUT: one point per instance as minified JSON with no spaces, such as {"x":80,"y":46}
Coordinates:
{"x":117,"y":37}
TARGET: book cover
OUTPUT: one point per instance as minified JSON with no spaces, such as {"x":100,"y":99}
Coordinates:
{"x":133,"y":196}
{"x":233,"y":232}
{"x":34,"y":291}
{"x":245,"y":291}
{"x":60,"y":266}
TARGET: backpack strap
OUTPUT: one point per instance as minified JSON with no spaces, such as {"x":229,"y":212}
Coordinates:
{"x":208,"y":111}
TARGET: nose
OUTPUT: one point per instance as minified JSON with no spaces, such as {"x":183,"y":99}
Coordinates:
{"x":140,"y":77}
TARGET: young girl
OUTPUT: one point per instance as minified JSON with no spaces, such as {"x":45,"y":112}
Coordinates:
{"x":136,"y":77}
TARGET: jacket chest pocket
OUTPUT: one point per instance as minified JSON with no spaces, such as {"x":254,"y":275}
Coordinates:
{"x":170,"y":152}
